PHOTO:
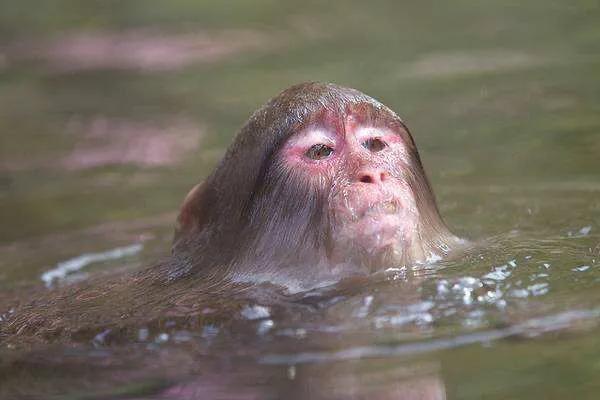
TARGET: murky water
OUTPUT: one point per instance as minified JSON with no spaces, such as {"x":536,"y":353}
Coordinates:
{"x":109,"y":113}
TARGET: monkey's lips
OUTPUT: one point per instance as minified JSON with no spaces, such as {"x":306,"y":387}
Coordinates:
{"x":373,"y":226}
{"x":389,"y":207}
{"x":380,"y":225}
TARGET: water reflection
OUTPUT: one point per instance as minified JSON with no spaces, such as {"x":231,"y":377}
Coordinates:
{"x":142,"y":49}
{"x":102,"y":142}
{"x":373,"y":380}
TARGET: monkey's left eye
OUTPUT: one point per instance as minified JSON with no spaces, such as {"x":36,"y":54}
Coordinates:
{"x":374,"y":144}
{"x":319,"y":152}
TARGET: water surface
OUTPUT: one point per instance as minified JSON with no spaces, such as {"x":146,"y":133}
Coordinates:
{"x":109,"y":113}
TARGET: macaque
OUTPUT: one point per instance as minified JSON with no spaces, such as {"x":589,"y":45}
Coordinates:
{"x":322,"y":183}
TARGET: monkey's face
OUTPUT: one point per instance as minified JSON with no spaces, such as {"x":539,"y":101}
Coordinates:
{"x":365,"y":169}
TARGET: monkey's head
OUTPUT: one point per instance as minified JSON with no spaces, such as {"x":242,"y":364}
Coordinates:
{"x":322,"y":182}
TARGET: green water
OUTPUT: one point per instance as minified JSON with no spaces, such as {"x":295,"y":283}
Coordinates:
{"x":503,"y":99}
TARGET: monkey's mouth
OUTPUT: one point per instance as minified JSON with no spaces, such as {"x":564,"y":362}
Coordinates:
{"x":390,"y":207}
{"x":373,"y":225}
{"x":375,"y":210}
{"x":376,"y":225}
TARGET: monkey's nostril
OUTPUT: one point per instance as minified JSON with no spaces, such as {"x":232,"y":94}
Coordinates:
{"x":366,"y":178}
{"x":373,"y":176}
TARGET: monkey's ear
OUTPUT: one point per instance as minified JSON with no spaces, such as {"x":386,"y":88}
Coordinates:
{"x":190,"y":215}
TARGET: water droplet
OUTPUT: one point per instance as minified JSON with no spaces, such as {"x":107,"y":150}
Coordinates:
{"x":100,"y":339}
{"x":519,"y":293}
{"x":265,"y":326}
{"x":499,"y":273}
{"x":291,"y":372}
{"x":581,"y":268}
{"x":539,"y":289}
{"x":209,"y":331}
{"x":182,"y":336}
{"x":255,"y":312}
{"x":161,"y":338}
{"x":143,"y":334}
{"x":442,"y":287}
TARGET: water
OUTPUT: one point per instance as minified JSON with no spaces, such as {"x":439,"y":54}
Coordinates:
{"x":98,"y":149}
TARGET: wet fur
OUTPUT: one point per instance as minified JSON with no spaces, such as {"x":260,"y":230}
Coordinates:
{"x":256,"y":216}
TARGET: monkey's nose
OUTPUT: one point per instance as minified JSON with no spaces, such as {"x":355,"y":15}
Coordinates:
{"x":376,"y":176}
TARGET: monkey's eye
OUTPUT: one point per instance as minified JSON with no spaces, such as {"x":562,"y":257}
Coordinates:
{"x":374,"y":144}
{"x":319,"y":152}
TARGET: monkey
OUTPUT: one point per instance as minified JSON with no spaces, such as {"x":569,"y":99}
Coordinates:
{"x":323,"y":183}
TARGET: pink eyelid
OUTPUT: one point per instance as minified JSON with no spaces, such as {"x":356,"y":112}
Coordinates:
{"x":296,"y":149}
{"x":385,"y":136}
{"x":298,"y":152}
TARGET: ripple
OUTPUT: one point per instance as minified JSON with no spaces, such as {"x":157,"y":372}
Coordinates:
{"x":531,"y":327}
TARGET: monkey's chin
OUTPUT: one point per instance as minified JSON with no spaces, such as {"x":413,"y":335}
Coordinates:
{"x":377,"y":240}
{"x":375,"y":233}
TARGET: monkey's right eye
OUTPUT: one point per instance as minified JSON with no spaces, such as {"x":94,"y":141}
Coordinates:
{"x":319,"y":152}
